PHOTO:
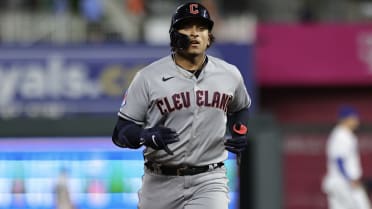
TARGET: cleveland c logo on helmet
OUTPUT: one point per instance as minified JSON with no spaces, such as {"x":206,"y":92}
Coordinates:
{"x":194,"y":9}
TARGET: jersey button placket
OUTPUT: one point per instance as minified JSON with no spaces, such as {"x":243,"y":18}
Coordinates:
{"x":196,"y":111}
{"x":196,"y":118}
{"x":194,"y":123}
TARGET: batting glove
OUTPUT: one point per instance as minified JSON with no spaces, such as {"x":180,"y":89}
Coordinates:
{"x":158,"y":138}
{"x":237,"y":144}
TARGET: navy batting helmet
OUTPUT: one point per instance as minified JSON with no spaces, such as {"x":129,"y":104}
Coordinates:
{"x":185,"y":12}
{"x":189,"y":11}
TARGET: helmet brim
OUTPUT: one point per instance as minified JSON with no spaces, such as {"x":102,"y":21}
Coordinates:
{"x":208,"y":23}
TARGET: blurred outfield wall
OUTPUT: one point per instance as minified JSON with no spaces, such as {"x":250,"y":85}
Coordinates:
{"x":59,"y":81}
{"x":304,"y":73}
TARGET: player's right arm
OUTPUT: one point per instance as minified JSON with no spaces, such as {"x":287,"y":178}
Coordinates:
{"x":128,"y":134}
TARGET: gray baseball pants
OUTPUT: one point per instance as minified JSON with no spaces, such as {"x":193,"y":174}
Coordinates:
{"x":202,"y":191}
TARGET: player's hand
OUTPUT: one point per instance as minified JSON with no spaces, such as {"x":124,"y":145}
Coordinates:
{"x":159,"y":137}
{"x":237,"y":144}
{"x":355,"y":183}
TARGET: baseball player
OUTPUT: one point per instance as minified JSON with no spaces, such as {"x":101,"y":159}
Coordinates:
{"x":342,"y":184}
{"x":178,"y":107}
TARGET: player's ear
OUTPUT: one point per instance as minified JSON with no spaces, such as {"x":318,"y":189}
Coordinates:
{"x":210,"y":39}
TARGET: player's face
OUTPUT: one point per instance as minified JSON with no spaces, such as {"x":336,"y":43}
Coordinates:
{"x":198,"y":34}
{"x":354,"y":121}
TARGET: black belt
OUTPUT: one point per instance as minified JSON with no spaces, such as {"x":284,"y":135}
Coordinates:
{"x":182,"y":170}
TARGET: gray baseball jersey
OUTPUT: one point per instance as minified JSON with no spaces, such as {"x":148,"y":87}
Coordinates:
{"x":196,"y":108}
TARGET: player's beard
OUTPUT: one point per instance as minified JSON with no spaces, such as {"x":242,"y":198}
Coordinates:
{"x":190,"y":54}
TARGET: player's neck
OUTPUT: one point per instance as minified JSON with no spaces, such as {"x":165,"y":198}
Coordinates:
{"x":190,"y":63}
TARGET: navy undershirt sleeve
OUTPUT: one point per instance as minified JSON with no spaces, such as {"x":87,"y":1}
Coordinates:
{"x":341,"y":167}
{"x":126,"y":134}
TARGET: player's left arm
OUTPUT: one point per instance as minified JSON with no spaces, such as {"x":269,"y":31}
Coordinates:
{"x":240,"y":117}
{"x":237,"y":124}
{"x":238,"y":108}
{"x":237,"y":119}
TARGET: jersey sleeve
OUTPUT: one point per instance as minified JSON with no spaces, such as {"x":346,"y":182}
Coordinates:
{"x":354,"y":168}
{"x":353,"y":164}
{"x":135,"y":102}
{"x":339,"y":146}
{"x":343,"y":148}
{"x":241,"y":98}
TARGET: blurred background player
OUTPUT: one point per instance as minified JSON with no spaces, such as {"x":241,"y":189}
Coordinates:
{"x":178,"y":107}
{"x":342,"y":183}
{"x":62,"y":193}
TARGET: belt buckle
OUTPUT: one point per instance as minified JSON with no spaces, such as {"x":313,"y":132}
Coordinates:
{"x":181,"y":169}
{"x":156,"y":168}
